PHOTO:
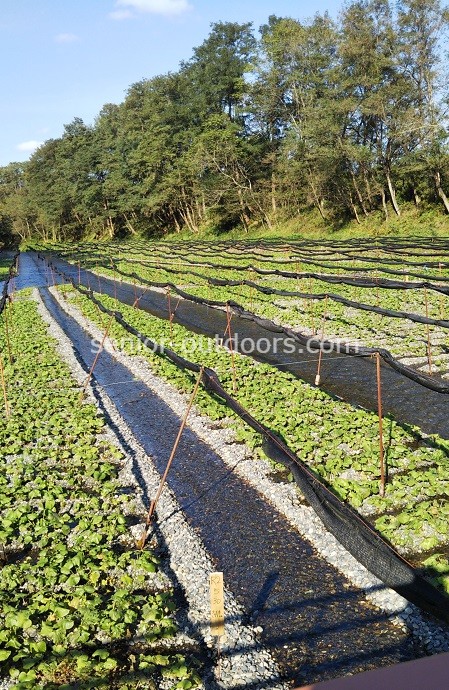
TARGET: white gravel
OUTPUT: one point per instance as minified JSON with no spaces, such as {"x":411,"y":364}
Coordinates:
{"x":284,"y":497}
{"x":243,"y":658}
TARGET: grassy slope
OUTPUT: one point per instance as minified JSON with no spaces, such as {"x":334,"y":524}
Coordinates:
{"x":431,"y":222}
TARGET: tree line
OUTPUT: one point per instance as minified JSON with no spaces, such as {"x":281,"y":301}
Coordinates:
{"x":347,"y":116}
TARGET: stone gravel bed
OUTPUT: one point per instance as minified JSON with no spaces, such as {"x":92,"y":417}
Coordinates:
{"x":284,"y":497}
{"x":243,"y":660}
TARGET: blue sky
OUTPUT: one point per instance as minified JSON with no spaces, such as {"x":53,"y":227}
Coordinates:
{"x":66,"y":58}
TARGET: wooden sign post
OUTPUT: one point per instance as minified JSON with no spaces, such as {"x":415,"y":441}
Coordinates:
{"x":216,"y":605}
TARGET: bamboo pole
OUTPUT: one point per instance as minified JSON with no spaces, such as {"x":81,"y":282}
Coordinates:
{"x":381,"y":438}
{"x":154,"y":502}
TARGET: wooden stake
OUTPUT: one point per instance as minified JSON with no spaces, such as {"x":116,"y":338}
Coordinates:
{"x":251,"y":289}
{"x":170,"y":315}
{"x":381,"y":438}
{"x":5,"y":395}
{"x":114,"y":279}
{"x":94,"y":363}
{"x":429,"y":345}
{"x":154,"y":502}
{"x":46,"y":272}
{"x":312,"y":308}
{"x":8,"y":341}
{"x":320,"y":356}
{"x":231,"y":347}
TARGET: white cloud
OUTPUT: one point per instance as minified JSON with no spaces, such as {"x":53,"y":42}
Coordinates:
{"x":29,"y":146}
{"x":120,"y":14}
{"x":66,"y":38}
{"x":165,"y":7}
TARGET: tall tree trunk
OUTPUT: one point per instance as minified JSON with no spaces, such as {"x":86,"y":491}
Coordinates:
{"x":199,"y":209}
{"x":316,"y":198}
{"x":129,"y":225}
{"x":354,"y":209}
{"x":391,"y":189}
{"x":368,"y":189}
{"x":440,"y":191}
{"x":273,"y":194}
{"x":191,"y":217}
{"x":243,"y":214}
{"x":188,"y":219}
{"x":359,"y":194}
{"x":384,"y":203}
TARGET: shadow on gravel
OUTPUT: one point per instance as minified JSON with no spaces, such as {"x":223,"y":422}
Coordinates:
{"x":315,"y":624}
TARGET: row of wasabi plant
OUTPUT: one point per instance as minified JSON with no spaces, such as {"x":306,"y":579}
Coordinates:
{"x":80,"y":605}
{"x":338,"y":441}
{"x":402,"y":337}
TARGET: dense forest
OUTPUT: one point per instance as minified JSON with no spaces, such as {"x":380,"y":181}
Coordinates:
{"x":348,"y":117}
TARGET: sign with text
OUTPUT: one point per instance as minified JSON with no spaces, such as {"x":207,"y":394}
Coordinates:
{"x":216,"y":604}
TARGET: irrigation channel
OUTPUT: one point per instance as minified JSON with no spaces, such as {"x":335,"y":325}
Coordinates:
{"x":352,"y":378}
{"x":316,"y":624}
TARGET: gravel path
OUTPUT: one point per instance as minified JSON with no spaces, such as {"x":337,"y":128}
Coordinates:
{"x":317,"y":626}
{"x":282,"y":496}
{"x":244,"y":662}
